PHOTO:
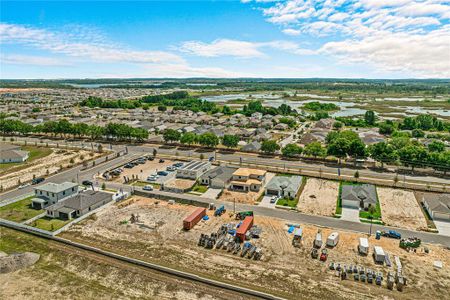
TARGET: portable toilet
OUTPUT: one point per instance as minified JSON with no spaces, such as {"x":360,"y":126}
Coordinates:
{"x":333,"y":239}
{"x":378,"y":235}
{"x":363,"y":247}
{"x":318,"y":240}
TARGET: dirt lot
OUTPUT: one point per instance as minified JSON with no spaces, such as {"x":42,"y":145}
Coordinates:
{"x":400,"y":208}
{"x":283,"y":270}
{"x":51,"y":163}
{"x":245,"y":197}
{"x":143,"y":171}
{"x":68,"y":273}
{"x":319,"y":197}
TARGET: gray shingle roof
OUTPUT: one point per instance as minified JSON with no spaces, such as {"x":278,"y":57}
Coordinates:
{"x":438,"y":202}
{"x":289,"y":183}
{"x":364,"y":192}
{"x":82,"y":200}
{"x":224,"y":173}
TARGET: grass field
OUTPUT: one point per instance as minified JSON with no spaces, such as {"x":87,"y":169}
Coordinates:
{"x":19,"y":211}
{"x":288,"y":202}
{"x":49,"y":224}
{"x":199,"y":188}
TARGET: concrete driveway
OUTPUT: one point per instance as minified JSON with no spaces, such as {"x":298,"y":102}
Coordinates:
{"x":265,"y":202}
{"x":443,"y":227}
{"x":350,"y":214}
{"x":211,"y":193}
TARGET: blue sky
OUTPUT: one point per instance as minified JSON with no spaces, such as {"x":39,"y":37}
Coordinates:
{"x":263,"y":38}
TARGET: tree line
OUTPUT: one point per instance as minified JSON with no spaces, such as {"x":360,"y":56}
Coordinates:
{"x":64,"y":128}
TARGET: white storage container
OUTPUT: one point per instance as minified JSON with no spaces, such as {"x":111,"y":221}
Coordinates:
{"x":363,"y":246}
{"x":333,"y":239}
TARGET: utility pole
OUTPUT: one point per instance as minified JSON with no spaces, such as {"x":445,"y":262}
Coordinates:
{"x":234,"y":205}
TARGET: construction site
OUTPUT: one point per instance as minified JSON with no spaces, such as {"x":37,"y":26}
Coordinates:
{"x":267,"y":254}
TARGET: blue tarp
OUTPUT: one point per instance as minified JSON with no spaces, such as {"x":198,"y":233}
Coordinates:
{"x":205,"y":218}
{"x":291,"y":229}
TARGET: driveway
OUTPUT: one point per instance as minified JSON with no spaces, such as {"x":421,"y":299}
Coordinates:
{"x":350,"y":214}
{"x":443,"y":227}
{"x":265,"y":202}
{"x":211,"y":193}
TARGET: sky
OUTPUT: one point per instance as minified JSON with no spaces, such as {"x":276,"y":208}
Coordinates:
{"x":247,"y":38}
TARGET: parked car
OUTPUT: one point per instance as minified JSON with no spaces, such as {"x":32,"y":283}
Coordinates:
{"x":178,"y":164}
{"x":171,"y":168}
{"x":140,"y":161}
{"x":86,"y":182}
{"x":161,"y":160}
{"x":128,"y":165}
{"x":152,"y":178}
{"x":162,"y":173}
{"x":211,"y":158}
{"x":37,"y":180}
{"x":150,"y":158}
{"x":23,"y":185}
{"x":273,"y":199}
{"x":148,"y":188}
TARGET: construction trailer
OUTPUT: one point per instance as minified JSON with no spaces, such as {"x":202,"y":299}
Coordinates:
{"x":378,"y":255}
{"x":333,"y":239}
{"x":193,"y":218}
{"x":244,"y":227}
{"x":297,"y":239}
{"x":318,"y":240}
{"x":363,"y":247}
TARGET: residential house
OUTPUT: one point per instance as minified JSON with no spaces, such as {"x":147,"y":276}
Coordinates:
{"x":193,"y":170}
{"x":78,"y":205}
{"x":325,"y":123}
{"x":12,"y":154}
{"x":218,"y":178}
{"x":51,"y":193}
{"x":254,"y":146}
{"x":245,"y":180}
{"x":437,"y":206}
{"x":359,"y":196}
{"x":284,"y":186}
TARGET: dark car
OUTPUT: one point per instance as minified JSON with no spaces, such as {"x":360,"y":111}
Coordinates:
{"x":161,"y":160}
{"x":128,"y":166}
{"x":150,"y":158}
{"x":37,"y":180}
{"x":86,"y":182}
{"x":162,"y":173}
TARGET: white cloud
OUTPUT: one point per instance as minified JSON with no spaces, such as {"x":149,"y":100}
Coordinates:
{"x":61,"y":43}
{"x":411,"y":36}
{"x":422,"y":55}
{"x":222,"y":47}
{"x":32,"y":60}
{"x":240,"y":49}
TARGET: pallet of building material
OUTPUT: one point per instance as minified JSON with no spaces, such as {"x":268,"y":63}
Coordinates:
{"x":387,"y":260}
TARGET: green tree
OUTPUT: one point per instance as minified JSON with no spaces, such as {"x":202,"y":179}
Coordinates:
{"x":226,"y":110}
{"x":417,"y":133}
{"x":291,"y":150}
{"x":436,"y":146}
{"x":171,"y":135}
{"x":385,"y":128}
{"x":208,"y":139}
{"x":370,"y":117}
{"x":230,"y":141}
{"x":383,"y":152}
{"x":338,"y":125}
{"x":269,"y":146}
{"x":188,"y":138}
{"x":413,"y":156}
{"x":339,"y":147}
{"x":315,"y":149}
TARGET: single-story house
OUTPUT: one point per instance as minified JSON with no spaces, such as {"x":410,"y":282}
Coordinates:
{"x":218,"y":178}
{"x":51,"y":193}
{"x":12,"y":154}
{"x":245,"y":180}
{"x":193,"y":170}
{"x":437,"y":205}
{"x":252,"y":147}
{"x":284,"y":186}
{"x":359,"y":196}
{"x":78,"y":205}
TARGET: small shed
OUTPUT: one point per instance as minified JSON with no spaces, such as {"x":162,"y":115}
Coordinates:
{"x":378,"y":255}
{"x":333,"y":239}
{"x":318,"y":241}
{"x":363,"y":247}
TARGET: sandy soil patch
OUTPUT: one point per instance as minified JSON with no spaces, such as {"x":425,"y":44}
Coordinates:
{"x":283,"y":269}
{"x":47,"y":165}
{"x":319,"y":197}
{"x":143,"y":171}
{"x":180,"y":183}
{"x":400,"y":208}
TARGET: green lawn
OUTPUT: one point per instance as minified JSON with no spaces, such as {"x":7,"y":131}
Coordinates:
{"x":199,"y":188}
{"x":288,"y":202}
{"x":49,"y":224}
{"x":19,"y":211}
